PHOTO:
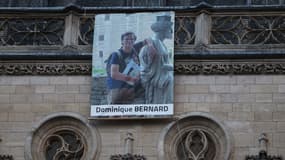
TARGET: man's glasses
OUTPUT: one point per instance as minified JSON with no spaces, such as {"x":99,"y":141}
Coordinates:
{"x":129,"y":39}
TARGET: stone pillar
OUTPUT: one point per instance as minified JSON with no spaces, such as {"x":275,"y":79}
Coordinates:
{"x":202,"y":29}
{"x":71,"y":30}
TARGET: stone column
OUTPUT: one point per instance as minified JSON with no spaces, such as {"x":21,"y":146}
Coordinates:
{"x":71,"y":30}
{"x":202,"y":29}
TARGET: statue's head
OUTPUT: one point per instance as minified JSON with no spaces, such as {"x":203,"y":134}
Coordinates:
{"x":163,"y":24}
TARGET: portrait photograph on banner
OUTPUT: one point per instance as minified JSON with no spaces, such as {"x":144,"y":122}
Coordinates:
{"x":132,"y":65}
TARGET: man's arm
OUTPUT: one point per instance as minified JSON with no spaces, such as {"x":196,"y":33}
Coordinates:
{"x":115,"y":74}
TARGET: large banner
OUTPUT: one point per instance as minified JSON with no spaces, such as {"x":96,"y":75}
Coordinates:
{"x":132,"y":65}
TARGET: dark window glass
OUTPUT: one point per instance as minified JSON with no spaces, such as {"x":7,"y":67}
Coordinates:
{"x":100,"y":54}
{"x":101,"y":38}
{"x":107,"y":17}
{"x":265,"y":2}
{"x":211,"y":2}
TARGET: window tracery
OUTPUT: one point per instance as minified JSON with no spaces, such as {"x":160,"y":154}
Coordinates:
{"x":196,"y":145}
{"x":64,"y":145}
{"x":198,"y":136}
{"x":61,"y":136}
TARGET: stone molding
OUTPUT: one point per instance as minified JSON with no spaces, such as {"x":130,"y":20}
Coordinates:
{"x":263,"y":156}
{"x":62,"y":121}
{"x":229,"y":67}
{"x":127,"y":156}
{"x":173,"y":134}
{"x":176,"y":4}
{"x":44,"y":68}
{"x":186,"y":67}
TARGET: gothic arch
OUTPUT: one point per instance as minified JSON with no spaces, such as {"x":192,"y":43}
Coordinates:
{"x":63,"y":135}
{"x":194,"y":136}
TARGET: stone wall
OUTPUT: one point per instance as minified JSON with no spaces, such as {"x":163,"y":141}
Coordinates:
{"x":247,"y":105}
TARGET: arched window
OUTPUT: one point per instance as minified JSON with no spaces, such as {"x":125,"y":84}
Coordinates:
{"x":195,"y":136}
{"x":63,"y":136}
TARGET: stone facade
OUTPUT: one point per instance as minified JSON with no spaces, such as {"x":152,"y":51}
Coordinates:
{"x":246,"y":105}
{"x":229,"y":83}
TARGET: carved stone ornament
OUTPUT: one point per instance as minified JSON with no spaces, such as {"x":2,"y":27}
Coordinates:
{"x":45,"y":68}
{"x":129,"y":139}
{"x":248,"y":30}
{"x":63,"y":135}
{"x":86,"y":30}
{"x":64,"y":144}
{"x":196,"y":136}
{"x":227,"y":67}
{"x":127,"y":157}
{"x":6,"y":157}
{"x":188,"y":67}
{"x":184,"y":30}
{"x":31,"y":31}
{"x":196,"y":144}
{"x":263,"y":156}
{"x":263,"y":141}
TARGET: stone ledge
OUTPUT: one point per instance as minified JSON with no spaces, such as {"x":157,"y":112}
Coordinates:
{"x":186,"y":67}
{"x":45,"y":68}
{"x":229,"y":67}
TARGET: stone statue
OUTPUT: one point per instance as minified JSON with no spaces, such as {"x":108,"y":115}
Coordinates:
{"x":156,"y":70}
